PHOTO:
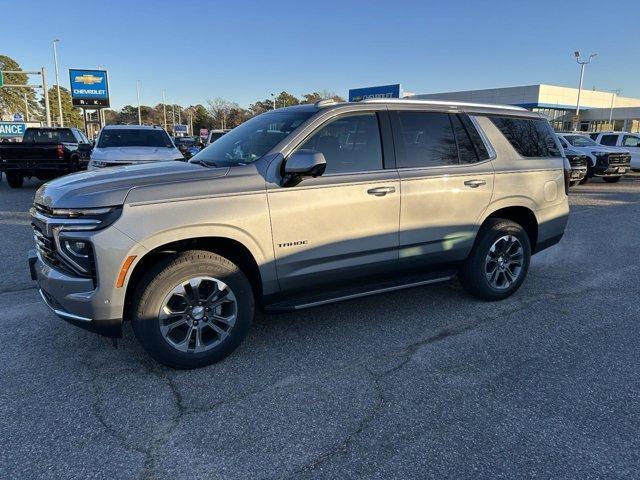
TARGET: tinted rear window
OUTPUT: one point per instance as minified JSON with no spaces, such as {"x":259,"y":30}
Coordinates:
{"x":529,"y":137}
{"x":48,"y":136}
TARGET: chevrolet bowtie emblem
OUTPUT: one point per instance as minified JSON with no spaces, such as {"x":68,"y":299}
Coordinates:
{"x":88,"y":79}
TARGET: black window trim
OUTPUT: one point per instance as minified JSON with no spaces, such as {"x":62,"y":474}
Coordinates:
{"x":555,"y":135}
{"x":399,"y":151}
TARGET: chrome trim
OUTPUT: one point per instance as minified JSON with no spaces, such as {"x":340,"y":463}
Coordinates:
{"x":373,"y":292}
{"x":62,"y":313}
{"x":453,"y":104}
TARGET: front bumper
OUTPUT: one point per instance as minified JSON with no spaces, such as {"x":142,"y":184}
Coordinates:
{"x":578,"y":173}
{"x":93,"y":304}
{"x":68,"y":297}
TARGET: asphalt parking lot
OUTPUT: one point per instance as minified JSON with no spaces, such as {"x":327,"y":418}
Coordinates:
{"x":422,"y":383}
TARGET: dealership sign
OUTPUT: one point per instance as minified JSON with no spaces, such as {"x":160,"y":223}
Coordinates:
{"x":380,"y":91}
{"x":89,"y":88}
{"x":12,"y":129}
{"x":179,"y":128}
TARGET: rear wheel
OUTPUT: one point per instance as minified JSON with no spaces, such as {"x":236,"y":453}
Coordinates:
{"x":15,"y":180}
{"x":499,"y":261}
{"x":611,"y":179}
{"x":193,"y":310}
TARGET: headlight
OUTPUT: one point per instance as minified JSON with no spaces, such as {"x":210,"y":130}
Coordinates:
{"x":83,"y":219}
{"x":77,"y":252}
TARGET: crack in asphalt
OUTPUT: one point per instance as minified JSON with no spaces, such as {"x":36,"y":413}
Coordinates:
{"x":407,"y":353}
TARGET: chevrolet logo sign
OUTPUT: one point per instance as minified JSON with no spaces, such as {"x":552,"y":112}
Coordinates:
{"x":88,"y":79}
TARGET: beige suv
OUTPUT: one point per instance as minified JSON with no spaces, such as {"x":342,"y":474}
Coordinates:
{"x":300,"y":207}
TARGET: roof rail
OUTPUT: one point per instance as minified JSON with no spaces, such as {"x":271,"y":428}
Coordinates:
{"x":325,"y":102}
{"x":451,"y":103}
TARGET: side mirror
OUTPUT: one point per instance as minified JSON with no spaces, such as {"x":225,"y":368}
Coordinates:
{"x":303,"y":163}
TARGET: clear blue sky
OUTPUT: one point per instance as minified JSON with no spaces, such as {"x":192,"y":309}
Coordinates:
{"x":244,"y":50}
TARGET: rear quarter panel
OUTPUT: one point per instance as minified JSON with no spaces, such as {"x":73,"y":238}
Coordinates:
{"x":534,"y":183}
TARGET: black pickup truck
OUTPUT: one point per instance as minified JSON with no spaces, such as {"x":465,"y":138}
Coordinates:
{"x":44,"y":153}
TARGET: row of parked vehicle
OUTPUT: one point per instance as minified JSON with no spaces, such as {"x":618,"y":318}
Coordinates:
{"x":47,"y":153}
{"x":609,"y":155}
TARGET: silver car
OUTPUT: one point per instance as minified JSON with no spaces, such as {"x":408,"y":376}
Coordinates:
{"x":121,"y":145}
{"x":299,"y":207}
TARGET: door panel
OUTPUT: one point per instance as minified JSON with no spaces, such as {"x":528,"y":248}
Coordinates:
{"x":440,"y":210}
{"x":332,"y":227}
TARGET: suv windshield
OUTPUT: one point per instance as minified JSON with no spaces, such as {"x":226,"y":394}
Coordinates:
{"x":134,"y":137}
{"x":251,"y":140}
{"x":580,"y":141}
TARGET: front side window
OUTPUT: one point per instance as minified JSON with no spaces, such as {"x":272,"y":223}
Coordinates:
{"x":349,"y":144}
{"x":134,"y":137}
{"x":426,"y":139}
{"x":251,"y":140}
{"x":631,"y":141}
{"x":609,"y":140}
{"x":530,"y":137}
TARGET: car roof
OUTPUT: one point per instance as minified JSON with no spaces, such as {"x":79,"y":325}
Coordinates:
{"x":441,"y":105}
{"x":134,"y":127}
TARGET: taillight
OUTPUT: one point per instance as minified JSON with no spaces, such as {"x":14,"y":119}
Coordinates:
{"x":60,"y":151}
{"x":567,"y":175}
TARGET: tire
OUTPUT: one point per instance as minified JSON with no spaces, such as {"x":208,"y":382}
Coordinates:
{"x":154,"y":292}
{"x":611,"y":179}
{"x":15,"y":180}
{"x":473,"y":274}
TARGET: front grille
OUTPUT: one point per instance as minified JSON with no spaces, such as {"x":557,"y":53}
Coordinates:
{"x":619,"y":158}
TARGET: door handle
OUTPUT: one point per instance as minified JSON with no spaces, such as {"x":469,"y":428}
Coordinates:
{"x":475,"y":183}
{"x":381,"y":191}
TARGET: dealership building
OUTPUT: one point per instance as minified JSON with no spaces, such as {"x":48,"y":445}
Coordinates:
{"x":559,"y":104}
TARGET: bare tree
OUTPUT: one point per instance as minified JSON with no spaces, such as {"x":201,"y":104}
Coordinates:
{"x":219,"y":109}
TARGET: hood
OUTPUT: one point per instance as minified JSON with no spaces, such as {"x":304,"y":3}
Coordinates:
{"x":110,"y":187}
{"x":133,"y":154}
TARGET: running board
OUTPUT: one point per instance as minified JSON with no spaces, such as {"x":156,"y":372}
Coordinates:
{"x":302,"y":303}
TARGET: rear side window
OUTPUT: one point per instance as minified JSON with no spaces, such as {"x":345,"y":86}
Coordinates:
{"x":609,"y":140}
{"x":427,"y":140}
{"x":471,"y":148}
{"x":529,"y":137}
{"x":349,"y":144}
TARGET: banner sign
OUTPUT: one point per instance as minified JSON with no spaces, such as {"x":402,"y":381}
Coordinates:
{"x":380,"y":91}
{"x":12,"y":129}
{"x":89,"y":88}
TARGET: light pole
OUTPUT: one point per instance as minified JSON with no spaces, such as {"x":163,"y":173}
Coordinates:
{"x":26,"y":106}
{"x":615,"y":92}
{"x":273,"y":97}
{"x":164,"y":110}
{"x":138,"y":95}
{"x":582,"y":64}
{"x":55,"y":61}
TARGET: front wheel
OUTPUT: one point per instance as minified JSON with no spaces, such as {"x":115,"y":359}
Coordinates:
{"x":499,"y":261}
{"x":14,"y":180}
{"x":193,"y":310}
{"x":611,"y":179}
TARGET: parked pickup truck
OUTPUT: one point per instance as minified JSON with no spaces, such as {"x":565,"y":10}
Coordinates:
{"x":44,"y":153}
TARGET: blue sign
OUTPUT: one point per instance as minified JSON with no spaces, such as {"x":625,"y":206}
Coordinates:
{"x":18,"y":117}
{"x":178,"y":128}
{"x":89,"y":88}
{"x":12,"y":129}
{"x":381,"y":91}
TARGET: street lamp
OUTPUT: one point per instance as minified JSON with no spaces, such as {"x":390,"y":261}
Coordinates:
{"x":164,"y":110}
{"x":55,"y":61}
{"x":273,"y":97}
{"x":615,"y":92}
{"x":582,"y":63}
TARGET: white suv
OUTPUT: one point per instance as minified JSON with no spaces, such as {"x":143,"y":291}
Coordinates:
{"x":626,"y":140}
{"x":119,"y":145}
